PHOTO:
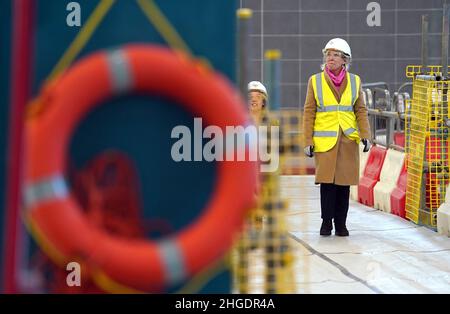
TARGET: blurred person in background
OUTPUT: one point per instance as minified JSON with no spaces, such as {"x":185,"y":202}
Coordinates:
{"x":258,"y":109}
{"x":257,"y":101}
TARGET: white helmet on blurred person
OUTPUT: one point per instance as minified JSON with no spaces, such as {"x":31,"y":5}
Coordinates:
{"x":340,"y":45}
{"x":257,"y":86}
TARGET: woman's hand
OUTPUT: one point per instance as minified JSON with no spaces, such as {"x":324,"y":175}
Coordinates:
{"x":366,"y":145}
{"x":309,"y":150}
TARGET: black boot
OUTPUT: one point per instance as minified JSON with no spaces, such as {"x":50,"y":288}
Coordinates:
{"x":327,"y":226}
{"x":340,"y":218}
{"x":341,"y":229}
{"x":327,"y":205}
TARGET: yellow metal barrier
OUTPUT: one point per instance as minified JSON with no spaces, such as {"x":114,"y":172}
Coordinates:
{"x":263,"y":258}
{"x":293,"y":161}
{"x":416,"y":127}
{"x":427,"y":149}
{"x":413,"y":70}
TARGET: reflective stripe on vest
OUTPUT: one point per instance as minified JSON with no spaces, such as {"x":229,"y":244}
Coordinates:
{"x":349,"y":131}
{"x":335,"y":108}
{"x":332,"y":115}
{"x":325,"y":134}
{"x":353,"y":86}
{"x":319,"y":88}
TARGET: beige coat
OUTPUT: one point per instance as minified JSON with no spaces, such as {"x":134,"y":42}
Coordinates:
{"x":340,"y":165}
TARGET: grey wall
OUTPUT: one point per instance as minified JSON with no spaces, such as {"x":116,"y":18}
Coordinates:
{"x":301,"y":28}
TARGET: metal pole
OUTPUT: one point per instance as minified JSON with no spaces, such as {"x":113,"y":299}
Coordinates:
{"x":244,"y":15}
{"x":22,"y":37}
{"x":379,"y":142}
{"x":243,"y":65}
{"x":272,"y":77}
{"x":376,"y":84}
{"x":424,"y":43}
{"x":386,"y":114}
{"x":445,"y":30}
{"x":399,"y":106}
{"x":390,"y":126}
{"x":404,"y":85}
{"x":397,"y":148}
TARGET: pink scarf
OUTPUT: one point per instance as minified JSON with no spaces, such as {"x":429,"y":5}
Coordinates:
{"x":336,"y":79}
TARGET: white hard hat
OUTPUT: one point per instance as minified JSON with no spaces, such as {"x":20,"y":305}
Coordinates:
{"x":338,"y":44}
{"x":258,"y":86}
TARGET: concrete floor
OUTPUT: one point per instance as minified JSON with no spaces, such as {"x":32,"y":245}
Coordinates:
{"x":383,"y":254}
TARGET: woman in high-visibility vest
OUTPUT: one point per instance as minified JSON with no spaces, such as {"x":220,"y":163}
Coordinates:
{"x":334,"y":122}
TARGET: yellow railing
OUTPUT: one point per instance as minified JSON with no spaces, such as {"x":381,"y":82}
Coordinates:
{"x":263,"y":258}
{"x":427,"y":149}
{"x":413,"y":70}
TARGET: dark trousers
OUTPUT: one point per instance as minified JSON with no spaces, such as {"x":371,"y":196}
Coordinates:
{"x":334,"y":201}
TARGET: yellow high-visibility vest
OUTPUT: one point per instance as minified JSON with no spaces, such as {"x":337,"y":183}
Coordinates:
{"x":331,"y":114}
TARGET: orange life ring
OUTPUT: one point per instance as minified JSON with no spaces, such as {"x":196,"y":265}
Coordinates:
{"x":145,"y":265}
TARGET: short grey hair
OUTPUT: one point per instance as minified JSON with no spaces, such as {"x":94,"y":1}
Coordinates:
{"x":347,"y":59}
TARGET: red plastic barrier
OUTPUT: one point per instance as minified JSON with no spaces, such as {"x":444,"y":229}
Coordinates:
{"x":435,"y":146}
{"x":399,"y":139}
{"x":398,"y":195}
{"x":371,"y":175}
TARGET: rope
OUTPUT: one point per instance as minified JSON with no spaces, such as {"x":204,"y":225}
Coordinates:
{"x":153,"y":14}
{"x":168,"y":32}
{"x":163,"y":26}
{"x":82,"y":38}
{"x":37,"y":105}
